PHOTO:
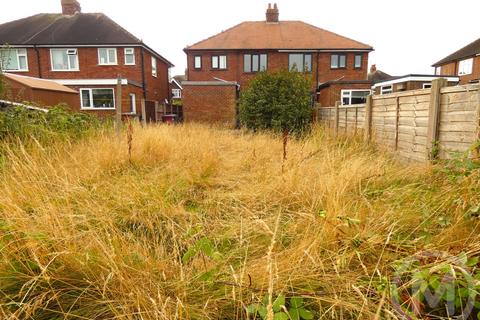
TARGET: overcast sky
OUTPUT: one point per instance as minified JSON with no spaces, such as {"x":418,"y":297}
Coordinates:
{"x":408,"y":35}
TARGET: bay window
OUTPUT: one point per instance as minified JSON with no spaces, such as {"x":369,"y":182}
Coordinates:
{"x":64,"y":59}
{"x":13,"y":60}
{"x":100,"y":98}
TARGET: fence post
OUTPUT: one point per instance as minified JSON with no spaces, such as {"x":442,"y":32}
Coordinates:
{"x":368,"y":118}
{"x":337,"y":116}
{"x":434,"y":117}
{"x":118,"y":109}
{"x":397,"y":121}
{"x":476,"y":152}
{"x":156,"y":111}
{"x":144,"y":113}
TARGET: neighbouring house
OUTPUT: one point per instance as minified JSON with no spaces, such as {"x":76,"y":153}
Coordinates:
{"x":464,"y":63}
{"x":87,"y":52}
{"x":41,"y":91}
{"x":176,"y":85}
{"x":410,"y":82}
{"x":176,"y":105}
{"x":224,"y":63}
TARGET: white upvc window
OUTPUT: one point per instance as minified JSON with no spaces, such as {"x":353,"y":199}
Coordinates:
{"x":133,"y":103}
{"x":107,"y":56}
{"x":197,"y":62}
{"x":438,"y":71}
{"x":154,"y":67}
{"x":64,"y":59}
{"x":465,"y":67}
{"x":129,"y":56}
{"x":97,"y":98}
{"x":386,"y":89}
{"x":427,"y":85}
{"x":176,"y":93}
{"x":13,"y":60}
{"x":354,"y":96}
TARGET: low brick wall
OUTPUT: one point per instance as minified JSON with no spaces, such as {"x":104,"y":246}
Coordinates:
{"x":210,"y":102}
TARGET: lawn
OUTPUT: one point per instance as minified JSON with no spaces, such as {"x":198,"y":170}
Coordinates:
{"x":203,"y":223}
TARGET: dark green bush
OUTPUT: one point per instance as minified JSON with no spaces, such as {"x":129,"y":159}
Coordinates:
{"x":279,"y":101}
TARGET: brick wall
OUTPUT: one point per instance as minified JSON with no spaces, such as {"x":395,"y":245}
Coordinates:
{"x":211,"y":103}
{"x":157,"y":88}
{"x":451,"y":69}
{"x":276,"y":61}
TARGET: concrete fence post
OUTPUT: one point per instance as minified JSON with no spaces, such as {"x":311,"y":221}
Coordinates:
{"x":434,"y":118}
{"x":477,"y":121}
{"x":397,"y":121}
{"x":337,"y":117}
{"x":144,"y":113}
{"x":118,"y":108}
{"x":368,"y":118}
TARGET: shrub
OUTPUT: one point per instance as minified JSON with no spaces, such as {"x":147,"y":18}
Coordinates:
{"x":278,"y":101}
{"x":59,"y":122}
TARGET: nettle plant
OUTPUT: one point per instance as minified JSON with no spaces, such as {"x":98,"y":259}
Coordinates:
{"x":294,"y":310}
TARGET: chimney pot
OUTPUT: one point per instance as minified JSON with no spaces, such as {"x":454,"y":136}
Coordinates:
{"x":272,"y":13}
{"x":70,"y":7}
{"x":373,"y":68}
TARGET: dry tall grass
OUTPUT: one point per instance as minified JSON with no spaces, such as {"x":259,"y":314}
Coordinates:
{"x":88,"y":234}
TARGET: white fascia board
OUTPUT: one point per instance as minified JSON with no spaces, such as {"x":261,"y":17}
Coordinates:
{"x":324,"y":50}
{"x":178,"y":84}
{"x":406,"y":79}
{"x":89,"y":82}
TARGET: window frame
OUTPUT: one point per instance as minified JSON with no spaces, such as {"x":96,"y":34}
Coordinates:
{"x":108,"y":63}
{"x":195,"y":62}
{"x":125,"y":54}
{"x":338,"y":55}
{"x":176,"y":93}
{"x":259,"y":55}
{"x":386,"y":91}
{"x":154,"y":67}
{"x":17,"y":55}
{"x":303,"y":61}
{"x":438,"y":70}
{"x":462,"y":63}
{"x":427,"y":85}
{"x":350,"y":95}
{"x":91,"y":99}
{"x":218,"y":57}
{"x":68,"y":60}
{"x":133,"y":103}
{"x":355,"y":61}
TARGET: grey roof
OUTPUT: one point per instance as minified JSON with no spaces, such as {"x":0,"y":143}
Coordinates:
{"x":379,"y":76}
{"x":58,"y":29}
{"x":468,"y":51}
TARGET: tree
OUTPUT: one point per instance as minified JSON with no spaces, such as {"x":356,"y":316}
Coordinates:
{"x":278,"y":101}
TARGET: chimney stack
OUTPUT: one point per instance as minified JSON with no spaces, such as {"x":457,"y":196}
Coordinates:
{"x":71,"y":7}
{"x":373,"y":68}
{"x":272,"y":13}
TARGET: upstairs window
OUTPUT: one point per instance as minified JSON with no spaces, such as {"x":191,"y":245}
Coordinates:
{"x":386,"y":89}
{"x":97,"y":99}
{"x":219,"y":62}
{"x":154,"y":67}
{"x":465,"y":67}
{"x":358,"y":61}
{"x":438,"y":71}
{"x":107,"y":56}
{"x":354,"y":96}
{"x":13,"y":60}
{"x":129,"y":56}
{"x":254,"y":62}
{"x":301,"y":62}
{"x":197,"y":62}
{"x":64,"y":59}
{"x":338,"y":61}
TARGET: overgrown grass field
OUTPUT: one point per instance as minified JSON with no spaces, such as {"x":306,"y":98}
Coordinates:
{"x":204,"y":223}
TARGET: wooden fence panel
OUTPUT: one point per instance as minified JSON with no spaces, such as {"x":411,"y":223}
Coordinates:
{"x":400,"y":121}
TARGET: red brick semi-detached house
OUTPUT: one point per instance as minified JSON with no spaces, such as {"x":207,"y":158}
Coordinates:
{"x":233,"y":57}
{"x":464,"y":63}
{"x":87,"y":52}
